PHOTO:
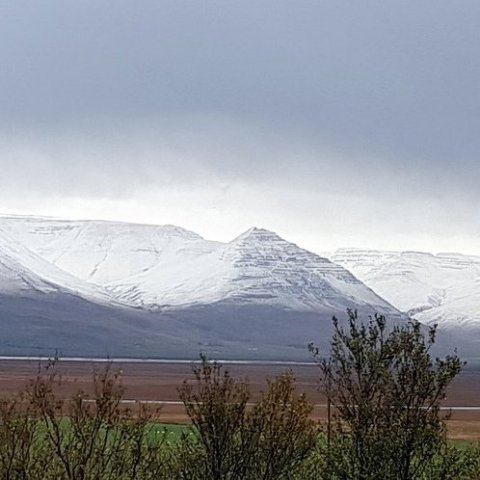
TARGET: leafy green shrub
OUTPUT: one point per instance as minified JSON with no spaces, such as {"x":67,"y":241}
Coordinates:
{"x":386,"y":390}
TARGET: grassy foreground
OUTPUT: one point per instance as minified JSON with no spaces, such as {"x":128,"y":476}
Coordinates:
{"x":174,"y":431}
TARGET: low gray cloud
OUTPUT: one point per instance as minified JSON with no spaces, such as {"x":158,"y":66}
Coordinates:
{"x":398,"y":77}
{"x":118,"y":161}
{"x":370,"y":105}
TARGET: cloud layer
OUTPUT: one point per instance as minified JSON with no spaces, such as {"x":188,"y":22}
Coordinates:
{"x":329,"y":121}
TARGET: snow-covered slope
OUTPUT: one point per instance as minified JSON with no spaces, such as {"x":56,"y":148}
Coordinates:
{"x":22,"y":272}
{"x":459,"y":310}
{"x":443,"y":288}
{"x":15,"y":278}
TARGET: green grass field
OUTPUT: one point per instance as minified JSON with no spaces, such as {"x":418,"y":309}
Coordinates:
{"x":174,"y":431}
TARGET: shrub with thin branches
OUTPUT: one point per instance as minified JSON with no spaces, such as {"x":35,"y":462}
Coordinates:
{"x":269,"y":440}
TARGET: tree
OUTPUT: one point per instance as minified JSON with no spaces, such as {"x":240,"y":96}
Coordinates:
{"x":386,"y":390}
{"x":93,"y":436}
{"x":283,"y":433}
{"x":269,"y":440}
{"x":216,"y":405}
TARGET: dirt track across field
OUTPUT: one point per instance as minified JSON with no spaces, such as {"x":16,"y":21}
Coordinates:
{"x":159,"y":382}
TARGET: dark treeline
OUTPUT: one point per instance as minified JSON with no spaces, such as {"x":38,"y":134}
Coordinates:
{"x":383,"y":389}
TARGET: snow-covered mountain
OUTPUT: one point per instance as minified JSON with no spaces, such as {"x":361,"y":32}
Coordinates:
{"x":166,"y":291}
{"x":443,"y":288}
{"x":176,"y":293}
{"x":258,"y":267}
{"x":162,"y":266}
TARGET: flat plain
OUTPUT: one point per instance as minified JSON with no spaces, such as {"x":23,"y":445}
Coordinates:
{"x":157,"y":383}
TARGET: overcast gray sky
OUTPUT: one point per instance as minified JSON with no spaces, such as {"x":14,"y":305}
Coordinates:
{"x":333,"y":122}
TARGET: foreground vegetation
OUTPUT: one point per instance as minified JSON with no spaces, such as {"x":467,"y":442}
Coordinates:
{"x":383,"y":390}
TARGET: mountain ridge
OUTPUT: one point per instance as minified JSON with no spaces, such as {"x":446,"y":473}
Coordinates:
{"x":181,"y":268}
{"x":257,"y":293}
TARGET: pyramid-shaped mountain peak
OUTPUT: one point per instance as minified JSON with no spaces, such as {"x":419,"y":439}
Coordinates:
{"x":258,"y":234}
